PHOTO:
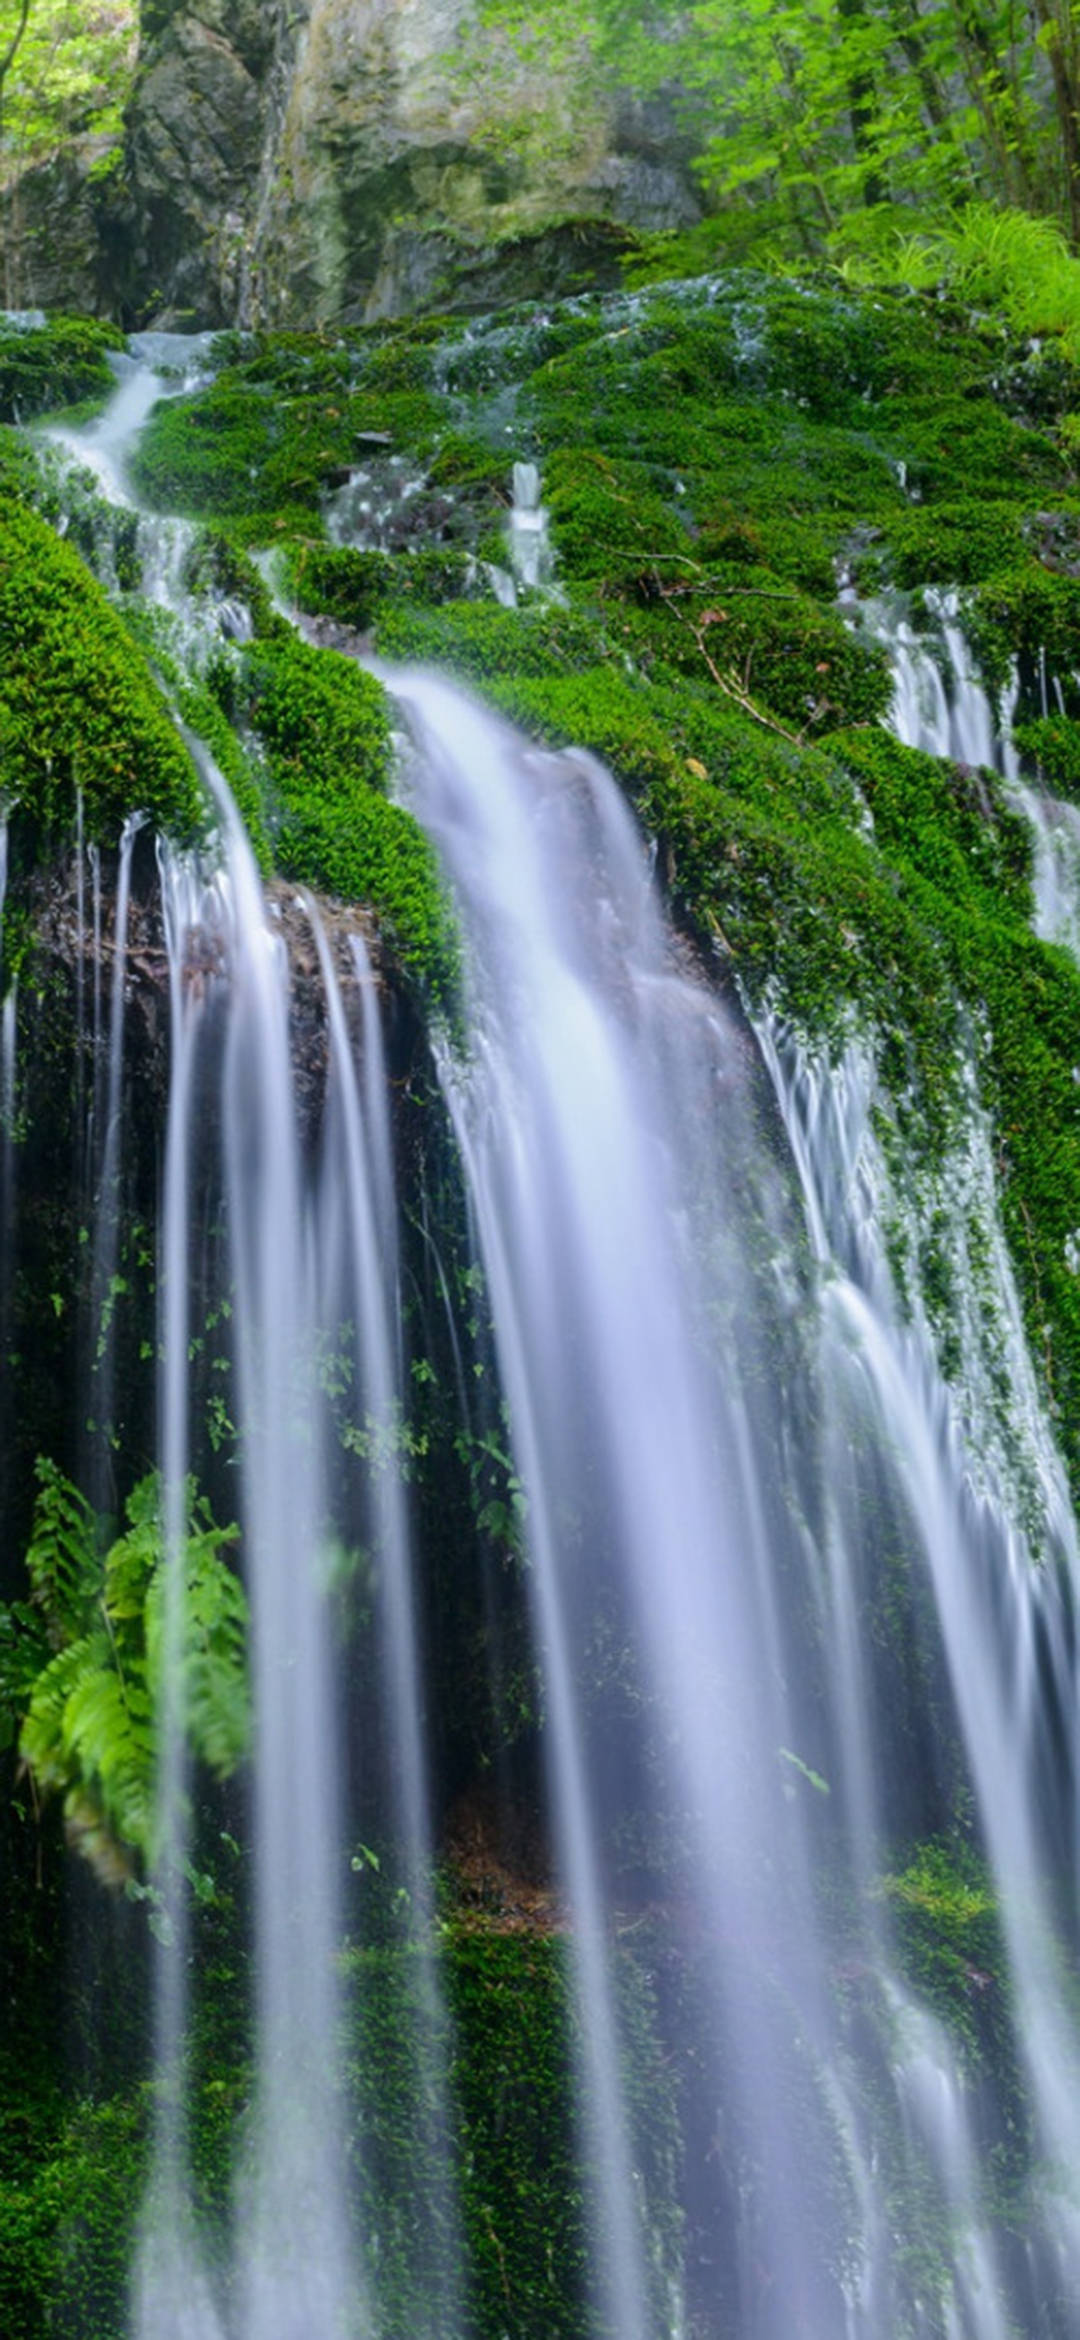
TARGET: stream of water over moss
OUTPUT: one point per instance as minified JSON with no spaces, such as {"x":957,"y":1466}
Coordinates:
{"x":586,"y":1710}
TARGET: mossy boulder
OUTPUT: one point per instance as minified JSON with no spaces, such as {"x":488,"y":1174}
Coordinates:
{"x":78,"y":707}
{"x":59,"y":363}
{"x":324,"y":726}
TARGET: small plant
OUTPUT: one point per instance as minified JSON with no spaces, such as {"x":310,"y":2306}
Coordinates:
{"x":82,"y":1663}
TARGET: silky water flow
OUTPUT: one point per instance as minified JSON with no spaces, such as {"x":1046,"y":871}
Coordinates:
{"x":725,"y":1428}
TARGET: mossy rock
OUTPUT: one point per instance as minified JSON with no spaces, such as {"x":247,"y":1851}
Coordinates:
{"x":353,"y":586}
{"x":1052,"y":743}
{"x":58,"y":364}
{"x":279,"y":424}
{"x":78,"y":707}
{"x":507,"y":2027}
{"x":325,"y":731}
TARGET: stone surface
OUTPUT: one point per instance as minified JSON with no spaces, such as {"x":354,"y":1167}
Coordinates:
{"x":293,"y":161}
{"x":198,"y":130}
{"x":62,"y":228}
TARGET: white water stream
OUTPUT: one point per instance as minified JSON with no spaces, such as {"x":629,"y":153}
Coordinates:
{"x":736,"y":1443}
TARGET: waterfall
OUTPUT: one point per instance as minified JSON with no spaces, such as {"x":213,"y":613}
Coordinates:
{"x":155,"y":366}
{"x":608,"y":1140}
{"x":172,"y":2297}
{"x":1003,"y":1596}
{"x":940,"y":704}
{"x":598,"y":1111}
{"x":799,"y":1590}
{"x":310,"y":1262}
{"x":359,"y":1173}
{"x":108,"y":1202}
{"x":530,"y":547}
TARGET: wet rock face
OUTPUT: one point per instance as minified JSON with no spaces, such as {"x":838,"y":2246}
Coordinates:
{"x":61,"y":226}
{"x":293,"y":164}
{"x":199,"y":126}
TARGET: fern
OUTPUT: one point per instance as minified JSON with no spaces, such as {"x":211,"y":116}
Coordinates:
{"x":63,"y":1562}
{"x":90,"y":1707}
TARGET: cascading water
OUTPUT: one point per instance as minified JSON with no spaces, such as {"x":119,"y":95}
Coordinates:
{"x":963,"y":1478}
{"x":734,"y":1436}
{"x":596,"y":1106}
{"x":171,"y":2293}
{"x":107,"y":1209}
{"x":530,"y":546}
{"x":940,"y":704}
{"x":310,"y":1271}
{"x":603,"y":1132}
{"x":291,"y":1242}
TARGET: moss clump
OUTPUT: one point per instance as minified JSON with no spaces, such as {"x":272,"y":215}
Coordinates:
{"x":67,"y":2226}
{"x":484,"y":641}
{"x":57,"y":365}
{"x":954,"y":544}
{"x":78,"y":708}
{"x":947,"y":1929}
{"x":1052,"y":743}
{"x":509,"y":2015}
{"x":353,"y":586}
{"x":325,"y":730}
{"x":275,"y":428}
{"x":72,"y":2182}
{"x":1032,"y":615}
{"x":18,"y":467}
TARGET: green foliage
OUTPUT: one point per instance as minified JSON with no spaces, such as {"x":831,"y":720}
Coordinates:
{"x":1052,"y":743}
{"x":352,"y":586}
{"x":69,"y":2198}
{"x":485,"y":641}
{"x":71,"y":73}
{"x":807,"y":119}
{"x":54,"y":365}
{"x":1009,"y":262}
{"x":1028,"y":613}
{"x":77,"y":706}
{"x":948,"y":1931}
{"x":325,"y":729}
{"x":281,"y":421}
{"x":86,"y":1705}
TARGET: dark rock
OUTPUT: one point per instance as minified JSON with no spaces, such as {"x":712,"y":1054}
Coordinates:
{"x":64,"y":228}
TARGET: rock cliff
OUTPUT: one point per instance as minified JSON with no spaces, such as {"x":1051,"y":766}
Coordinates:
{"x":301,"y":160}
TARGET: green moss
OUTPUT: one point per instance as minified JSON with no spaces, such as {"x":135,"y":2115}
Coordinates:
{"x":483,"y":641}
{"x":18,"y":466}
{"x":954,"y":544}
{"x":219,"y":564}
{"x":203,"y":714}
{"x":463,"y":461}
{"x":1052,"y":743}
{"x":1030,"y":614}
{"x":325,"y":729}
{"x":78,"y":708}
{"x":947,"y":1929}
{"x":70,"y":2197}
{"x":271,"y":433}
{"x":54,"y":366}
{"x":352,"y":586}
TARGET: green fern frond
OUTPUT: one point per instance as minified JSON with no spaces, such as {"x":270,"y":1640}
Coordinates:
{"x":42,"y":1742}
{"x":62,"y":1562}
{"x":90,"y":1707}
